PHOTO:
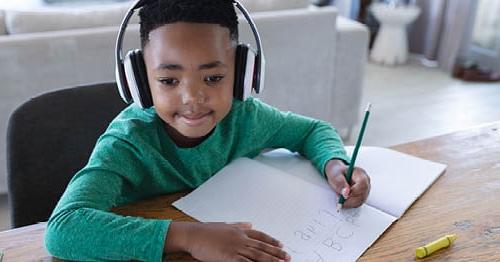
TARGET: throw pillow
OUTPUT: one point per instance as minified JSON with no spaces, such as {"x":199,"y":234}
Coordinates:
{"x":21,"y":21}
{"x":273,"y":5}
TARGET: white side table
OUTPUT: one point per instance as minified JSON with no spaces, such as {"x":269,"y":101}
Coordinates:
{"x":391,"y":42}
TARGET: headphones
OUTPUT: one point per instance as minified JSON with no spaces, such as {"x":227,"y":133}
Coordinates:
{"x":131,"y":76}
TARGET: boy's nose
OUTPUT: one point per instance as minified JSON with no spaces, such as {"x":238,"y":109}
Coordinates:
{"x":192,"y":95}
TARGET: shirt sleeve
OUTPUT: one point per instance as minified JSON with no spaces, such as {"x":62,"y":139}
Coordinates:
{"x":82,"y":226}
{"x":316,"y":140}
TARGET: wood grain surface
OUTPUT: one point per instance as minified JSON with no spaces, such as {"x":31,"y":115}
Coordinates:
{"x":465,"y":200}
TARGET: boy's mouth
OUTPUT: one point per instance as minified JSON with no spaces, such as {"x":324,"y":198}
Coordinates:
{"x":195,"y":119}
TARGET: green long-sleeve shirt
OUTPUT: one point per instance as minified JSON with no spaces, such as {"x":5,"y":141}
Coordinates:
{"x":135,"y":159}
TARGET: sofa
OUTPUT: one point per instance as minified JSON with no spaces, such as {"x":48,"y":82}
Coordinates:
{"x":314,"y":59}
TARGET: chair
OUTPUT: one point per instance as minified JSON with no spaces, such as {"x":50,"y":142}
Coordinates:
{"x":49,"y":139}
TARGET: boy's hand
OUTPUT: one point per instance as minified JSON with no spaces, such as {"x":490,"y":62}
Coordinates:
{"x":231,"y":242}
{"x":357,"y":192}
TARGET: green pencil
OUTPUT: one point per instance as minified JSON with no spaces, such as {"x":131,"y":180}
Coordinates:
{"x":355,"y":154}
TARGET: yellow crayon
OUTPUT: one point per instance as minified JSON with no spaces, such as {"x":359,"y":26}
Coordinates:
{"x":430,"y":248}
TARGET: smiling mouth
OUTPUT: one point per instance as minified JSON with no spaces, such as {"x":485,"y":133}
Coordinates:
{"x":195,"y":119}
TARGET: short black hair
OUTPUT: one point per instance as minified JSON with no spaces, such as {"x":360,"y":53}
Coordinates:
{"x":156,"y":13}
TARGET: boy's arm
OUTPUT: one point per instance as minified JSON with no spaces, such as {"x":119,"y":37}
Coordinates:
{"x":317,"y":140}
{"x":321,"y":144}
{"x":81,"y":226}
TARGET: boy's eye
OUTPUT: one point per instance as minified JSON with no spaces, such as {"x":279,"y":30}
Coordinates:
{"x":211,"y":80}
{"x":168,"y":81}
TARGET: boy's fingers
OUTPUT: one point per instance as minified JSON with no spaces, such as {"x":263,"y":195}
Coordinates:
{"x":257,"y":255}
{"x":346,"y":192}
{"x":242,"y":225}
{"x":359,"y":186}
{"x":274,"y":251}
{"x":242,"y":258}
{"x":359,"y":192}
{"x":360,"y":175}
{"x":257,"y":235}
{"x":354,"y":201}
{"x":340,"y":185}
{"x":360,"y":189}
{"x":360,"y":183}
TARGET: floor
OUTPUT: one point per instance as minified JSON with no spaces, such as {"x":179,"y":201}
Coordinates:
{"x":412,"y":102}
{"x":409,"y":102}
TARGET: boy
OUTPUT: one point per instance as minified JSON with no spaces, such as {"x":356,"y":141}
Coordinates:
{"x":194,"y":129}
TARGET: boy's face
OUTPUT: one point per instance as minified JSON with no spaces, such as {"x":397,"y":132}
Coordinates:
{"x":190,"y":68}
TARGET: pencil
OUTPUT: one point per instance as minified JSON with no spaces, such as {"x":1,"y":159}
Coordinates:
{"x":355,"y":154}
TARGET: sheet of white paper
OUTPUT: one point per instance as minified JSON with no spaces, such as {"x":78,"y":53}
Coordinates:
{"x":301,"y":215}
{"x":397,"y":179}
{"x":293,"y":164}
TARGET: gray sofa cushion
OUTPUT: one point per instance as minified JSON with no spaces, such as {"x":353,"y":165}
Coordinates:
{"x":273,"y":5}
{"x":3,"y":31}
{"x":22,"y":21}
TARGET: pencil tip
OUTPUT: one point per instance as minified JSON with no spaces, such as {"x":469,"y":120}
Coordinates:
{"x":339,"y":206}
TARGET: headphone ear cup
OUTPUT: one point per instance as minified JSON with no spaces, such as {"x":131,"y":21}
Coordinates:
{"x":121,"y":82}
{"x":143,"y":76}
{"x":244,"y":75}
{"x":239,"y":74}
{"x":137,"y":80}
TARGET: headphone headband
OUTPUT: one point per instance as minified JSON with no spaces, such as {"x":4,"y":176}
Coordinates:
{"x":123,"y":27}
{"x":259,"y":59}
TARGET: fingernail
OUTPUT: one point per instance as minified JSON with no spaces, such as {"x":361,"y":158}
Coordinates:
{"x":280,"y":244}
{"x":243,"y":224}
{"x":344,"y":193}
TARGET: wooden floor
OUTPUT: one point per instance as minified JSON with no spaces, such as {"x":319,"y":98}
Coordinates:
{"x":410,"y":102}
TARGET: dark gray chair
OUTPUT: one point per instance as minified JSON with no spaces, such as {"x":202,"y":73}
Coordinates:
{"x":49,"y":139}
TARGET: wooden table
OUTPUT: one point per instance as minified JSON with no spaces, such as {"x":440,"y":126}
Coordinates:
{"x":465,"y":200}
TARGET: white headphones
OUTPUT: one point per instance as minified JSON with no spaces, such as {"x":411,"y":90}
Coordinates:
{"x":131,"y":76}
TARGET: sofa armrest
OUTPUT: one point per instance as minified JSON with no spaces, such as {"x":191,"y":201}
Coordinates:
{"x":351,"y":56}
{"x":299,"y":46}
